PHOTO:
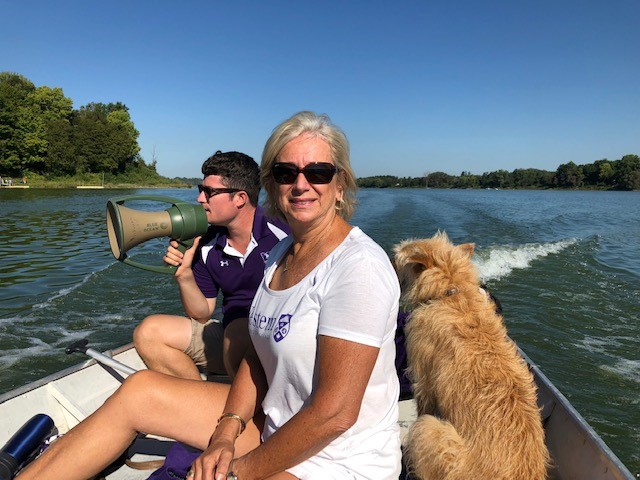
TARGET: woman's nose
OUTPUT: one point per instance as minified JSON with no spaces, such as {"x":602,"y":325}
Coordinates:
{"x":301,"y":182}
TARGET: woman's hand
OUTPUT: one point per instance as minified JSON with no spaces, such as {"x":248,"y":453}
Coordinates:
{"x":215,"y":461}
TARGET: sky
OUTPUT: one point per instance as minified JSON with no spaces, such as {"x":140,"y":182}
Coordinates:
{"x":417,"y":86}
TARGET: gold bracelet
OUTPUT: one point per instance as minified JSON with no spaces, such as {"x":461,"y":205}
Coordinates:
{"x":243,"y":425}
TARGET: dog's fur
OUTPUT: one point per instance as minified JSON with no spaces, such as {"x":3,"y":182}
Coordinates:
{"x":465,"y":369}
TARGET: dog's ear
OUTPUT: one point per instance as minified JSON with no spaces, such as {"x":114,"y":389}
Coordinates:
{"x":410,"y":254}
{"x":467,"y":249}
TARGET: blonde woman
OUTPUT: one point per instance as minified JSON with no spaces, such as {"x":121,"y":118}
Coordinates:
{"x":316,"y":396}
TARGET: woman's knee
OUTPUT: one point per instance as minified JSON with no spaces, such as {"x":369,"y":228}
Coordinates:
{"x":137,"y":389}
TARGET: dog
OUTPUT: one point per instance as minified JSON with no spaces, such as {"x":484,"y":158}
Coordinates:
{"x":476,"y":399}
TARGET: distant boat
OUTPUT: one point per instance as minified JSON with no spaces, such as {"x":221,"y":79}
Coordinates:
{"x":8,"y":183}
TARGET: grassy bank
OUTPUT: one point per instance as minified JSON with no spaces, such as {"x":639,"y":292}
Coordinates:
{"x":97,"y":179}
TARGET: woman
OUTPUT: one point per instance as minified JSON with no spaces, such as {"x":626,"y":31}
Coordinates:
{"x":322,"y":368}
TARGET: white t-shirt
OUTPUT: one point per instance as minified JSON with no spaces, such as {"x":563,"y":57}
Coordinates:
{"x":353,"y":295}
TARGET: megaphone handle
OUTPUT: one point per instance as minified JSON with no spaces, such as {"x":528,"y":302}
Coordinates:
{"x":151,"y":268}
{"x":184,"y":245}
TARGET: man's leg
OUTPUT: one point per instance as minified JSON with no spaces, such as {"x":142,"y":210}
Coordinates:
{"x":161,"y":341}
{"x":235,"y":345}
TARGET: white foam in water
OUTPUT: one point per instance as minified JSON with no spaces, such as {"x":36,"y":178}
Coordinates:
{"x":504,"y":259}
{"x":63,"y":292}
{"x":11,"y":356}
{"x":625,"y":368}
{"x":596,"y":345}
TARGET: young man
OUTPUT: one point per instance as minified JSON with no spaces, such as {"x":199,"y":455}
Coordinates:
{"x":230,"y":259}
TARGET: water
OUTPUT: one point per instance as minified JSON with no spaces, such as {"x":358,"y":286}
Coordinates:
{"x":565,"y":266}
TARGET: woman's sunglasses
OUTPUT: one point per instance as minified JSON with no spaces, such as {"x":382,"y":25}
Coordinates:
{"x":212,"y":191}
{"x":318,"y":173}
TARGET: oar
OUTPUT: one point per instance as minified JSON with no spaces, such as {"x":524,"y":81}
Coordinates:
{"x":81,"y":346}
{"x":141,"y":444}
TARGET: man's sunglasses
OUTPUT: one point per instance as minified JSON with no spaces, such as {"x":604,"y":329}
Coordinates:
{"x":212,"y":191}
{"x":318,"y":173}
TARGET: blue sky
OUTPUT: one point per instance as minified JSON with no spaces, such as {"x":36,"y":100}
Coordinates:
{"x":417,"y":86}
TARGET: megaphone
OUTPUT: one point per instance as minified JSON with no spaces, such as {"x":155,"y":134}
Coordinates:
{"x":128,"y":227}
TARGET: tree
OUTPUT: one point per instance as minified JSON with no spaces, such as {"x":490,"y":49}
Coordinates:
{"x":569,"y":175}
{"x":61,"y":154}
{"x":124,"y":129}
{"x":25,"y":115}
{"x":605,"y":173}
{"x":467,"y":180}
{"x":440,"y":180}
{"x":497,"y":179}
{"x":104,"y":137}
{"x":627,"y":173}
{"x":14,"y":92}
{"x":51,"y":104}
{"x":43,"y":107}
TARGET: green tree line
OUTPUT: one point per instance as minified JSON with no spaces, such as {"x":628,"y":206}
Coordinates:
{"x":622,"y":174}
{"x":41,"y":133}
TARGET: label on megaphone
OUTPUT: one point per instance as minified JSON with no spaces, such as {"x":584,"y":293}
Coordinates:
{"x":127,"y":227}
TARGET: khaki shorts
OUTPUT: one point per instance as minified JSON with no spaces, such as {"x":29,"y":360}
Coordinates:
{"x":205,"y":347}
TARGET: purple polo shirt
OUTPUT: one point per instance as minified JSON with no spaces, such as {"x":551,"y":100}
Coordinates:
{"x":216,"y":271}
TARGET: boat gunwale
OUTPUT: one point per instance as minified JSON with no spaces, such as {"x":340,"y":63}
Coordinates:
{"x":560,"y":406}
{"x":11,"y":394}
{"x":581,"y":424}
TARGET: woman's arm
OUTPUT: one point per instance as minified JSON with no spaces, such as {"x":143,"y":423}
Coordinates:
{"x":344,"y":369}
{"x":245,"y":399}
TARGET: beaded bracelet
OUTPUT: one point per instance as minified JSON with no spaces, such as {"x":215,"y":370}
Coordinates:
{"x":243,"y":425}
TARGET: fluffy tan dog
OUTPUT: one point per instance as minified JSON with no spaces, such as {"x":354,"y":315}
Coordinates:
{"x":466,"y":370}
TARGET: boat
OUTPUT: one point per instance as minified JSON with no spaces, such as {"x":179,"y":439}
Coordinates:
{"x":9,"y":183}
{"x":74,"y":393}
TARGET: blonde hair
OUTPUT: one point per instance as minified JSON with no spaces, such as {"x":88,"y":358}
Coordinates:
{"x":316,"y":125}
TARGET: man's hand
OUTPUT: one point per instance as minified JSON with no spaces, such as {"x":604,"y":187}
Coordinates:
{"x":178,"y":259}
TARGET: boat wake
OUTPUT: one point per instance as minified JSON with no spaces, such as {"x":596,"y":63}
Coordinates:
{"x":64,"y":292}
{"x":625,"y":368}
{"x":622,"y":367}
{"x":499,"y":262}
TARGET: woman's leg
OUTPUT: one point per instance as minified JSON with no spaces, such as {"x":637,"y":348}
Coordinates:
{"x":150,"y":402}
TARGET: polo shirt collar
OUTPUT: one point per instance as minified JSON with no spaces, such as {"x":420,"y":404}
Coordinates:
{"x":258,"y":232}
{"x":260,"y":228}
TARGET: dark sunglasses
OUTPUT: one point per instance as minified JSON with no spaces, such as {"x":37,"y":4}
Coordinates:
{"x":318,"y":173}
{"x":212,"y":191}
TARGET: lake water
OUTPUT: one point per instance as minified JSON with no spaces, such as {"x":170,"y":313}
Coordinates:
{"x":565,"y":265}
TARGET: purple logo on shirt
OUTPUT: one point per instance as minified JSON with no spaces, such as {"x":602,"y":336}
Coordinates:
{"x":284,"y":324}
{"x":265,"y":256}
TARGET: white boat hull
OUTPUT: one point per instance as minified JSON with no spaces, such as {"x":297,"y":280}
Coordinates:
{"x":72,"y":394}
